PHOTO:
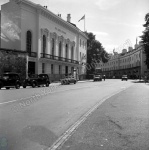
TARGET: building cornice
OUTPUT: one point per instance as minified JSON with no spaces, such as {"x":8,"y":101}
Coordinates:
{"x":128,"y":54}
{"x":50,"y":15}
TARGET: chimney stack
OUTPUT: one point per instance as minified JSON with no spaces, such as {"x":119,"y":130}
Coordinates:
{"x":68,"y":18}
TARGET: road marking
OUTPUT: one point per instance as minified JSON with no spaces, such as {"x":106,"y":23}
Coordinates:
{"x":50,"y":93}
{"x":66,"y":135}
{"x":21,"y":99}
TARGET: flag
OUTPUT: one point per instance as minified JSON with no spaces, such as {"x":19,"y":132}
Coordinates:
{"x":82,"y":18}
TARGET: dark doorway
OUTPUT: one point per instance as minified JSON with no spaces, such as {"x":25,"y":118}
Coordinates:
{"x":31,"y":67}
{"x":66,"y":70}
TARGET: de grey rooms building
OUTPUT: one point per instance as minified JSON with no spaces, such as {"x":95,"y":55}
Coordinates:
{"x":55,"y":46}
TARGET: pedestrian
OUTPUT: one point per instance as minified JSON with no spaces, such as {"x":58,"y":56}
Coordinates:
{"x":104,"y":77}
{"x":145,"y":79}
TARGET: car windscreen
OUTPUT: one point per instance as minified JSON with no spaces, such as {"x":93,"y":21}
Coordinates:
{"x":5,"y":76}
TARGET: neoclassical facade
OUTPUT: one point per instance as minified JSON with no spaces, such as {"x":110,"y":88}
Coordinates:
{"x":129,"y":62}
{"x":54,"y":46}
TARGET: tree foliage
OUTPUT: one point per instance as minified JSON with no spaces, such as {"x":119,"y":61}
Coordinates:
{"x":145,"y":39}
{"x":12,"y":62}
{"x":95,"y":53}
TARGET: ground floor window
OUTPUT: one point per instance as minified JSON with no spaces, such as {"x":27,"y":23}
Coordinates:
{"x":52,"y":69}
{"x":66,"y":70}
{"x":31,"y":67}
{"x":60,"y":68}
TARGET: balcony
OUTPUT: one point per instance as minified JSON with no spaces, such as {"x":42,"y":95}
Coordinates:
{"x":53,"y":57}
{"x":32,"y":54}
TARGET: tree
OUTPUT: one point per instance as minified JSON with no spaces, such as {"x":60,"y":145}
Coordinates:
{"x":145,"y":39}
{"x":95,"y":53}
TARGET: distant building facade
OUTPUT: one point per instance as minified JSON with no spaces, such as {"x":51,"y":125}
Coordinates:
{"x":129,"y":62}
{"x":55,"y":46}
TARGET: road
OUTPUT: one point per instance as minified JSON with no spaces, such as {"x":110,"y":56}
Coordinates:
{"x":120,"y":123}
{"x":36,"y":118}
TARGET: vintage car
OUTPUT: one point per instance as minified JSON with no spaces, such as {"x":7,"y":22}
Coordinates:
{"x":97,"y":77}
{"x":36,"y":80}
{"x":68,"y":80}
{"x":9,"y":80}
{"x":124,"y":77}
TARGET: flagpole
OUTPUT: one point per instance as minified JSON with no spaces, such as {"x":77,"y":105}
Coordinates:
{"x":84,"y":24}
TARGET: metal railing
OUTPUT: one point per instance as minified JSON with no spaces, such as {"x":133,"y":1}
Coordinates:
{"x":32,"y":54}
{"x":53,"y":57}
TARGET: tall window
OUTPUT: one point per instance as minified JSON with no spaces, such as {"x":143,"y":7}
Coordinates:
{"x":52,"y":69}
{"x":44,"y":44}
{"x":29,"y":41}
{"x":72,"y":52}
{"x":66,"y":54}
{"x":59,"y":69}
{"x":52,"y":46}
{"x":80,"y":56}
{"x":60,"y":49}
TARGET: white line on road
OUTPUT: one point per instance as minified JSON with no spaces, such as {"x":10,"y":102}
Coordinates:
{"x":62,"y":139}
{"x":50,"y":93}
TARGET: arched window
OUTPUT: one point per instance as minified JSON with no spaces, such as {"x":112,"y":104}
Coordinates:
{"x":44,"y":44}
{"x":66,"y":47}
{"x":60,"y":48}
{"x":52,"y":46}
{"x":29,"y":42}
{"x":72,"y":52}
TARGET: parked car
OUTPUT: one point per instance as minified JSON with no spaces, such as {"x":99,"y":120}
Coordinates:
{"x":97,"y":78}
{"x":36,"y":80}
{"x":9,"y":80}
{"x":68,"y":80}
{"x":124,"y":77}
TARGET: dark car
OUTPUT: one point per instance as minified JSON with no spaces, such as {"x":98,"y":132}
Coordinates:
{"x":68,"y":80}
{"x":124,"y":77}
{"x":36,"y":80}
{"x":9,"y":80}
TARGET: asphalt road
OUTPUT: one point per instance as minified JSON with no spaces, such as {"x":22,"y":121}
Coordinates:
{"x":36,"y":118}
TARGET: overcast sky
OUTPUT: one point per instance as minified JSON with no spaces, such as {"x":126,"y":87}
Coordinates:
{"x":112,"y":21}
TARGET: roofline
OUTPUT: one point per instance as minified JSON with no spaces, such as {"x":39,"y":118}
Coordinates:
{"x":38,"y":6}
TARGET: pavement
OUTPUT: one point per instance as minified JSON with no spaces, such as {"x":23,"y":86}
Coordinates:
{"x":79,"y":81}
{"x":120,"y":123}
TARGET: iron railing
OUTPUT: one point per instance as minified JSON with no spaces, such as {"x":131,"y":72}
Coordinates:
{"x":53,"y":57}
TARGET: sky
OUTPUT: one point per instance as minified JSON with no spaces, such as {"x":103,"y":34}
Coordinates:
{"x":114,"y":22}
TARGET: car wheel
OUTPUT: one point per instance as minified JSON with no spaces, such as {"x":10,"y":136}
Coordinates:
{"x":1,"y":85}
{"x":47,"y":84}
{"x":17,"y":86}
{"x":33,"y":85}
{"x":74,"y":82}
{"x":24,"y":86}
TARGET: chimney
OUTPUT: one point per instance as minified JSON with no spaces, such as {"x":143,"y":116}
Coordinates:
{"x":68,"y":18}
{"x":59,"y":15}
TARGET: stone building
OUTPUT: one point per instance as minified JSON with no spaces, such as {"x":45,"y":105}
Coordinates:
{"x":54,"y":46}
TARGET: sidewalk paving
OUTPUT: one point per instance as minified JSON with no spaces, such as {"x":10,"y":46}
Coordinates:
{"x":79,"y":81}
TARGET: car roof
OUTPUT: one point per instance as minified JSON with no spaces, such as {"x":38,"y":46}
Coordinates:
{"x":10,"y":73}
